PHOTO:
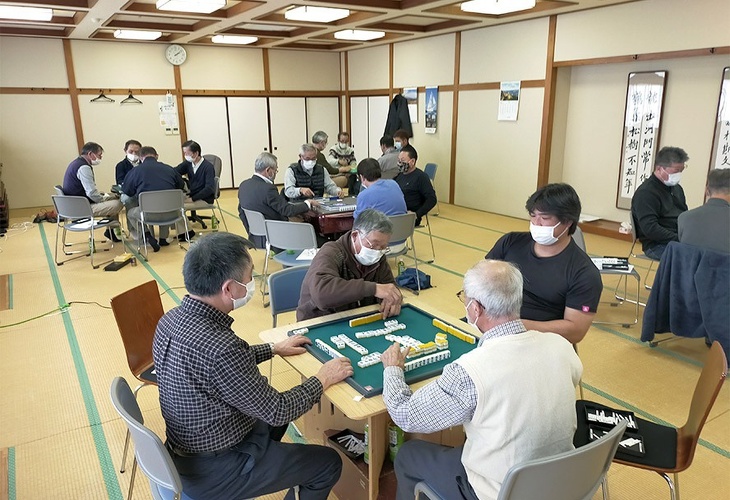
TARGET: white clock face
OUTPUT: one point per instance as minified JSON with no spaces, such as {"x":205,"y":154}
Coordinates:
{"x":176,"y":54}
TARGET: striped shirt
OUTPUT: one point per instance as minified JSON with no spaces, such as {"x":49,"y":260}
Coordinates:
{"x":211,"y":391}
{"x":447,"y":401}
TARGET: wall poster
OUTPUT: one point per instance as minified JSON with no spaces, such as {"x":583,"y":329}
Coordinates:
{"x":432,"y":104}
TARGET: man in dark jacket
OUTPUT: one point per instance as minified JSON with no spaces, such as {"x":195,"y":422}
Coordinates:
{"x":201,"y":175}
{"x":415,"y":184}
{"x":352,"y":272}
{"x":260,"y":195}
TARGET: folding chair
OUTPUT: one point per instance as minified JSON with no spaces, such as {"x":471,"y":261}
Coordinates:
{"x":75,"y":215}
{"x":194,"y":217}
{"x":296,"y":236}
{"x":403,"y":229}
{"x":150,"y":453}
{"x":257,"y":227}
{"x":545,"y":478}
{"x":161,"y":208}
{"x":668,"y":449}
{"x":641,"y":255}
{"x":430,"y":170}
{"x":137,"y":312}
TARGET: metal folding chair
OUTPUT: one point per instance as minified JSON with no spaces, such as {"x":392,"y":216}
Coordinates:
{"x":161,"y":208}
{"x":403,"y":229}
{"x":257,"y":227}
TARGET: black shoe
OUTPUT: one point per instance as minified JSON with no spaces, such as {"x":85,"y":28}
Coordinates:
{"x":190,"y":235}
{"x":109,"y":234}
{"x":164,"y":242}
{"x":153,"y":242}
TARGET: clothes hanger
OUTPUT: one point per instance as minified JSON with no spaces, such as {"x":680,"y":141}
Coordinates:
{"x":101,"y":98}
{"x":131,"y":99}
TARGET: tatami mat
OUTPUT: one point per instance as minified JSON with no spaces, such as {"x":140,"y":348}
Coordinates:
{"x":60,"y":437}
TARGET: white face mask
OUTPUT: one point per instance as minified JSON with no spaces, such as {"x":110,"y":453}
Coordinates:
{"x":308,"y":164}
{"x":250,"y":290}
{"x":96,"y":160}
{"x":398,"y":145}
{"x":343,"y":145}
{"x":189,"y":158}
{"x":543,"y":235}
{"x":673,"y":179}
{"x":368,"y":256}
{"x":474,"y":324}
{"x":133,"y":157}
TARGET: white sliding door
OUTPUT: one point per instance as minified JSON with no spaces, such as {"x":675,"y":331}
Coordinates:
{"x":249,"y":128}
{"x":323,"y":113}
{"x":377,"y":115}
{"x":207,"y":124}
{"x":360,"y":128}
{"x":288,"y":127}
{"x":368,"y":115}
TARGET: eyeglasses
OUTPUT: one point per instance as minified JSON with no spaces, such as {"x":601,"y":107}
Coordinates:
{"x":461,"y":295}
{"x":385,"y":250}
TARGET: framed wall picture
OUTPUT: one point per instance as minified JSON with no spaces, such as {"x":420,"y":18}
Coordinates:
{"x":641,"y":127}
{"x":720,"y":157}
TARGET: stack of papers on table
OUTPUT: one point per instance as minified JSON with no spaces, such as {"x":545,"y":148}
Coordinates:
{"x":308,"y":254}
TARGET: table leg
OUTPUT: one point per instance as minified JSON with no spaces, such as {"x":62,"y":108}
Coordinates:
{"x":378,"y":442}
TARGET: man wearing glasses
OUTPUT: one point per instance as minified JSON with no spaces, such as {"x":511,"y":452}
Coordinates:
{"x":352,"y":271}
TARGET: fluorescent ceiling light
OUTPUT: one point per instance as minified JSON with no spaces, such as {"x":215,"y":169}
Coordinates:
{"x":25,"y":13}
{"x":265,"y":27}
{"x":234,"y":39}
{"x":316,"y":14}
{"x":359,"y":35}
{"x":497,"y":7}
{"x":199,"y":6}
{"x":137,"y":34}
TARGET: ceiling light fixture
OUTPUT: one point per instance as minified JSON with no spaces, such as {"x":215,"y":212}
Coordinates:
{"x":316,"y":14}
{"x":497,"y":7}
{"x":137,"y":34}
{"x":198,"y":6}
{"x":359,"y":35}
{"x":25,"y":13}
{"x":234,"y":39}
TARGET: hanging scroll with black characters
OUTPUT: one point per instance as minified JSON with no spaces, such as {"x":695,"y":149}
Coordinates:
{"x":642,"y":122}
{"x":720,"y":157}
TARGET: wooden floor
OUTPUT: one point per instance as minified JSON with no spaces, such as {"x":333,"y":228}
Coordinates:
{"x":60,"y":436}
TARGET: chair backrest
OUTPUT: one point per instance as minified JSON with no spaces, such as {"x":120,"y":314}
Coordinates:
{"x":58,"y":190}
{"x":573,"y":475}
{"x":152,"y":456}
{"x":579,"y":239}
{"x":290,"y":235}
{"x":217,"y":163}
{"x":403,"y":226}
{"x":72,"y":207}
{"x":160,"y":202}
{"x":137,"y":312}
{"x":285,"y":287}
{"x":256,"y":223}
{"x":708,"y":387}
{"x":430,"y":170}
{"x":217,"y":187}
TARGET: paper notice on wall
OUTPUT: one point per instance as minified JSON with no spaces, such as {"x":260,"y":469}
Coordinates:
{"x":509,"y":101}
{"x":168,"y":116}
{"x":411,"y":95}
{"x":432,"y":99}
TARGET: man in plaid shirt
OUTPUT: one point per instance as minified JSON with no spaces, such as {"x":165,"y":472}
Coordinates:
{"x":224,"y":420}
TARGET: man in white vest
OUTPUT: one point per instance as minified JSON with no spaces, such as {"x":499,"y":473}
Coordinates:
{"x":514,"y":393}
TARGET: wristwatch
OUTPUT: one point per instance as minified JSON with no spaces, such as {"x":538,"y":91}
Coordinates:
{"x":273,"y":351}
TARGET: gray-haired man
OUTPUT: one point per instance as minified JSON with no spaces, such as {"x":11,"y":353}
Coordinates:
{"x":306,"y":178}
{"x":510,"y":414}
{"x":352,"y":271}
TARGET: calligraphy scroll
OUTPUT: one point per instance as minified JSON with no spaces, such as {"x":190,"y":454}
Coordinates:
{"x":720,"y":157}
{"x":642,"y":120}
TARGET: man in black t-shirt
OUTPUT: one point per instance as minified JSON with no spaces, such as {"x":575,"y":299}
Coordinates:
{"x":416,"y":186}
{"x":562,"y":287}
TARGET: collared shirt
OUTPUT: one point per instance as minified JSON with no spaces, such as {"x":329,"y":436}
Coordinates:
{"x":211,"y":391}
{"x":195,"y":167}
{"x":293,"y":192}
{"x":264,"y":178}
{"x":86,"y":176}
{"x":447,"y":401}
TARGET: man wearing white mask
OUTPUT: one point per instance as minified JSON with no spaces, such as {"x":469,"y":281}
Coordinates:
{"x":510,"y":414}
{"x":352,"y":271}
{"x":659,"y":200}
{"x":131,"y":160}
{"x":224,"y":421}
{"x":562,"y":286}
{"x":307,"y":179}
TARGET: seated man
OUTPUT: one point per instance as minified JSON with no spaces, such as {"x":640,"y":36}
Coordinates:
{"x":200,"y":174}
{"x":383,"y":195}
{"x":342,"y":156}
{"x":510,"y":414}
{"x":352,"y":272}
{"x":260,"y":195}
{"x":307,"y":179}
{"x":708,"y":226}
{"x":150,"y":175}
{"x":224,"y":420}
{"x":131,"y":160}
{"x":659,"y":200}
{"x":389,"y":160}
{"x":401,"y":138}
{"x":338,"y":174}
{"x":562,"y":285}
{"x":79,"y":181}
{"x":415,"y":184}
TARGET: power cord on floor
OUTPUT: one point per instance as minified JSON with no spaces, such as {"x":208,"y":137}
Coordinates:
{"x":61,"y":309}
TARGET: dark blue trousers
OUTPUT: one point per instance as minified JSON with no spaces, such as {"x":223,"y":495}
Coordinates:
{"x":258,"y":466}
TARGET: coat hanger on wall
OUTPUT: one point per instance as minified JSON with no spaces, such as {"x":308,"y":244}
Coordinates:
{"x":130,"y":99}
{"x":101,"y":98}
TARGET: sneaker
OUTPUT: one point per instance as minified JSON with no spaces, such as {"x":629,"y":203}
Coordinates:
{"x":153,"y":242}
{"x":190,"y":235}
{"x":109,"y":234}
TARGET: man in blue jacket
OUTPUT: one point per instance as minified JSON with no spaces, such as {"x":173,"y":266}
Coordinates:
{"x":200,"y":174}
